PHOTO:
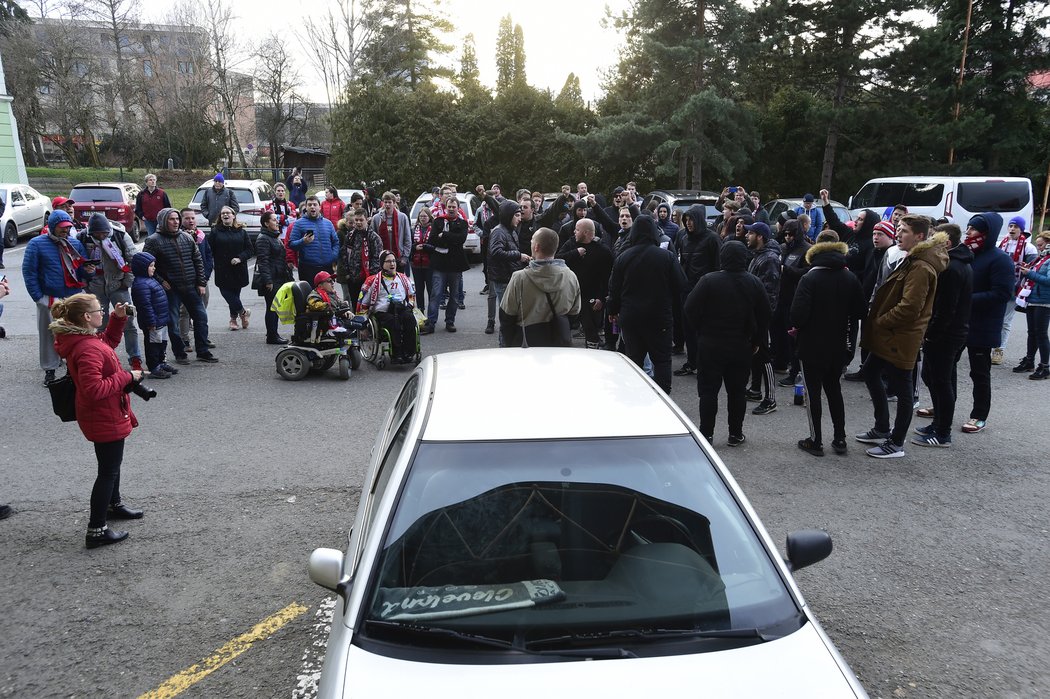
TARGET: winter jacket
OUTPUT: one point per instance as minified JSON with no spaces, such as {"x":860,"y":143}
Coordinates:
{"x":148,"y":204}
{"x":297,"y":193}
{"x":816,"y":220}
{"x":950,"y":322}
{"x":324,"y":249}
{"x":993,"y":286}
{"x":402,"y":247}
{"x":271,"y":264}
{"x":827,"y":300}
{"x":151,"y":303}
{"x":670,"y":228}
{"x":793,"y":265}
{"x":286,"y":212}
{"x":592,"y":270}
{"x":859,"y":242}
{"x":348,"y":265}
{"x":420,"y":235}
{"x":697,"y":250}
{"x":902,"y":307}
{"x":333,"y":210}
{"x":206,"y":257}
{"x":504,"y":254}
{"x":108,"y":277}
{"x":228,"y":242}
{"x":179,"y":260}
{"x":446,"y":244}
{"x":766,"y":266}
{"x":646,"y":280}
{"x":212,"y":203}
{"x":729,"y":307}
{"x":545,"y":219}
{"x":103,"y":408}
{"x":525,"y":299}
{"x":42,"y":271}
{"x":1040,"y":285}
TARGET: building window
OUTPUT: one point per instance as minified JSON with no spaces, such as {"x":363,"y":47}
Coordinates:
{"x":186,"y":67}
{"x":124,"y":41}
{"x":45,"y":89}
{"x":80,"y":69}
{"x":147,"y":68}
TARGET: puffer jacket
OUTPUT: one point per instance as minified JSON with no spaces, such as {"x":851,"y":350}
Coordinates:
{"x":325,"y":246}
{"x":766,"y":266}
{"x":827,"y":299}
{"x":1040,"y":282}
{"x":227,"y":243}
{"x":504,"y":255}
{"x":151,"y":303}
{"x":902,"y":307}
{"x":271,"y":265}
{"x":103,"y":408}
{"x":698,"y":251}
{"x":348,"y":268}
{"x":42,"y":271}
{"x":179,"y":260}
{"x":993,"y":286}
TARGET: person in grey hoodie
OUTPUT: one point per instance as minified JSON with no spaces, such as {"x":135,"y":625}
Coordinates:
{"x":111,"y":251}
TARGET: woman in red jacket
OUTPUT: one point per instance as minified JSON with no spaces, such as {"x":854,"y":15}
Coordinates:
{"x":332,"y":208}
{"x":103,"y":405}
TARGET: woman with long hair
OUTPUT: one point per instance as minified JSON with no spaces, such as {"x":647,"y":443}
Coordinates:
{"x":1035,"y":295}
{"x":103,"y":406}
{"x":332,"y":208}
{"x":421,"y":257}
{"x":271,"y":270}
{"x":231,"y":247}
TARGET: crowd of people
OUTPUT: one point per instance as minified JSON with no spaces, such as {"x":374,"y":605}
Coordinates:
{"x":740,"y":297}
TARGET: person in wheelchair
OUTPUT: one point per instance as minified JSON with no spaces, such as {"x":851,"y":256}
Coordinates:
{"x":390,"y":296}
{"x":325,"y":299}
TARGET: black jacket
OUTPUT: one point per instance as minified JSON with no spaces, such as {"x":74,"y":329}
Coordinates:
{"x":828,"y":297}
{"x":794,"y":265}
{"x":857,"y":241}
{"x":698,"y":251}
{"x":646,"y":279}
{"x":766,"y":266}
{"x":271,"y":267}
{"x":445,"y":245}
{"x":547,"y":219}
{"x":729,"y":308}
{"x":226,"y":243}
{"x":504,"y":255}
{"x":950,"y":322}
{"x":179,"y":261}
{"x":592,"y":269}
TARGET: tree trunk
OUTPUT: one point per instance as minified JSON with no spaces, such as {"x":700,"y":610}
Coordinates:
{"x":827,"y":168}
{"x":682,"y":165}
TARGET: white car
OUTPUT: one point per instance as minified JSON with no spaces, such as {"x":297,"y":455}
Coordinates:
{"x":468,"y":204}
{"x":508,"y":533}
{"x":252,"y":197}
{"x":25,"y":212}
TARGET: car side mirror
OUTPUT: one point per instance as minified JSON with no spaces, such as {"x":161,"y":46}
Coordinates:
{"x":806,"y":547}
{"x":326,"y":569}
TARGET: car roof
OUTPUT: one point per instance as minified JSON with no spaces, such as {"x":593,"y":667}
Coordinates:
{"x":544,"y":393}
{"x":234,"y":183}
{"x":797,"y":201}
{"x":685,"y":192}
{"x":105,"y":184}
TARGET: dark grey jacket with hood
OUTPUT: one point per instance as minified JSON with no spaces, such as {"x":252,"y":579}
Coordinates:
{"x":697,"y":251}
{"x":504,"y":255}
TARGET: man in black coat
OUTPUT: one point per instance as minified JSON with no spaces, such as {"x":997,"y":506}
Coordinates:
{"x":827,"y":301}
{"x":644,"y":283}
{"x":946,"y":338}
{"x":794,"y":265}
{"x":731,"y":312}
{"x":592,"y":263}
{"x":697,"y":250}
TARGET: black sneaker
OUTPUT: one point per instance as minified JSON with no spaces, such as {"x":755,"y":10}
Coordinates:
{"x":735,"y":440}
{"x":788,"y":381}
{"x":686,"y":369}
{"x":184,"y":360}
{"x":484,"y":290}
{"x":854,"y":376}
{"x":159,"y":373}
{"x":490,"y":328}
{"x":840,"y":447}
{"x":443,"y":306}
{"x":49,"y":376}
{"x":462,"y":306}
{"x":209,"y":358}
{"x":6,"y":511}
{"x":765,"y":408}
{"x":168,"y":368}
{"x":872,"y":436}
{"x":103,"y":537}
{"x":1025,"y":365}
{"x":810,"y":447}
{"x":427,"y":329}
{"x":753,"y":394}
{"x":1041,"y":372}
{"x":450,"y":327}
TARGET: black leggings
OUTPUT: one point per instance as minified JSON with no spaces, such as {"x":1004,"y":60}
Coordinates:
{"x":818,"y":376}
{"x":402,"y":329}
{"x":106,"y":490}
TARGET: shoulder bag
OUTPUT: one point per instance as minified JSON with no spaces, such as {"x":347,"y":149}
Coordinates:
{"x":64,"y":398}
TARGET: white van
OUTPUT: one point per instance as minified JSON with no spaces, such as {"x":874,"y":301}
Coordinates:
{"x":956,"y":198}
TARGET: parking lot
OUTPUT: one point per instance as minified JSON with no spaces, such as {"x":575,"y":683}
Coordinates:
{"x":936,"y":588}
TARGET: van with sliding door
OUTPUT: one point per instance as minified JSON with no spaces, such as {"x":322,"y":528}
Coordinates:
{"x":955,"y":198}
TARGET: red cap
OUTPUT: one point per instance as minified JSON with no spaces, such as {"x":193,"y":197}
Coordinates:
{"x":320,"y":278}
{"x":60,"y":201}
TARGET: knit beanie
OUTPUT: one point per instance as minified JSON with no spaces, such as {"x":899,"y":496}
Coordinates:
{"x":887,"y":229}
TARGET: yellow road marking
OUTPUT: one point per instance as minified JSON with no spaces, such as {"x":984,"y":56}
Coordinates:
{"x":176,"y":684}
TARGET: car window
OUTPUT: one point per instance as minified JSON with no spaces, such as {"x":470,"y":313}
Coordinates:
{"x":879,"y":195}
{"x":243,"y":196}
{"x":265,"y":192}
{"x":29,"y":194}
{"x":993,"y":196}
{"x":575,"y":536}
{"x":103,"y":194}
{"x":16,"y":195}
{"x":199,"y":196}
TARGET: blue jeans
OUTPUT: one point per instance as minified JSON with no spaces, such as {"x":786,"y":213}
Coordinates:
{"x":233,"y":300}
{"x":195,"y":305}
{"x":151,"y":227}
{"x":131,"y":333}
{"x":441,"y":281}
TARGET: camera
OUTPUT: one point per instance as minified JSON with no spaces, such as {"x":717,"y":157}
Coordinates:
{"x":143,"y":392}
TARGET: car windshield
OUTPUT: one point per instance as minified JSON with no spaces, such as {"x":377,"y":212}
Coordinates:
{"x":879,"y":195}
{"x":993,"y":196}
{"x":85,"y":194}
{"x":529,"y":541}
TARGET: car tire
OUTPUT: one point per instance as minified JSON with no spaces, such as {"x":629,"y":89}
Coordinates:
{"x":10,"y":235}
{"x":135,"y":232}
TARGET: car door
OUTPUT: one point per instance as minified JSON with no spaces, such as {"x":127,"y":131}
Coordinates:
{"x":37,"y":203}
{"x":20,"y":212}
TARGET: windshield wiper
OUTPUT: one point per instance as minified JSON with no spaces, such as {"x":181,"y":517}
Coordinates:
{"x":502,"y":644}
{"x":653,"y":635}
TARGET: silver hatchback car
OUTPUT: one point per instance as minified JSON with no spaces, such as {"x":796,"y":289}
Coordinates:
{"x":508,"y":533}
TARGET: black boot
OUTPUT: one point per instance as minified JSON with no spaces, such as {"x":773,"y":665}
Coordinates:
{"x":1041,"y":372}
{"x":103,"y":537}
{"x":122,"y":511}
{"x":1027,"y":364}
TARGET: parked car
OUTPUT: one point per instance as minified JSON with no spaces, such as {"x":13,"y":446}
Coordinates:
{"x":682,"y":199}
{"x":778,"y":206}
{"x":495,"y":556}
{"x":468,"y":203}
{"x":251,"y":195}
{"x":25,"y":212}
{"x":114,"y":199}
{"x":955,"y":198}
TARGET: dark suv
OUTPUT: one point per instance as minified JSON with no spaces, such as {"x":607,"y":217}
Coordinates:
{"x":114,"y":199}
{"x":682,"y":199}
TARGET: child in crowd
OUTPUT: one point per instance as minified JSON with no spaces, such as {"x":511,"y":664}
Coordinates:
{"x":151,"y":308}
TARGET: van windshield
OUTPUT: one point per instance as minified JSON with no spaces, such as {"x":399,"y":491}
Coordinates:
{"x":993,"y":196}
{"x":879,"y":195}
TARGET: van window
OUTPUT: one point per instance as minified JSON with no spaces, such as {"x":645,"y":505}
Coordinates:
{"x":879,"y":195}
{"x":993,"y":196}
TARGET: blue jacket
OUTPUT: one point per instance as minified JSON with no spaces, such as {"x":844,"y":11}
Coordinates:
{"x":816,"y":220}
{"x":993,"y":287}
{"x":1041,"y":288}
{"x":206,"y":256}
{"x":151,"y":302}
{"x":42,"y":271}
{"x":324,"y":249}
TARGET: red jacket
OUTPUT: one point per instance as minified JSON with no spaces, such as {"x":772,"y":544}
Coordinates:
{"x":103,"y":408}
{"x":333,"y":210}
{"x":290,"y":255}
{"x":148,"y":205}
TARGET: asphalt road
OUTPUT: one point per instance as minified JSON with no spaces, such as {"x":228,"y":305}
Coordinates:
{"x":936,"y":588}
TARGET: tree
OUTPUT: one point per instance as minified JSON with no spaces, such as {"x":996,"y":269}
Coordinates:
{"x":468,"y":76}
{"x":407,"y":38}
{"x":277,"y":100}
{"x":518,"y":76}
{"x":335,"y":44}
{"x":504,"y":53}
{"x":118,"y":17}
{"x":232,"y":88}
{"x":12,"y":16}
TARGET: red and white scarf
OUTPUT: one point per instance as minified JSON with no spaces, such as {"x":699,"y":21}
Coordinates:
{"x":377,"y":284}
{"x":390,"y":243}
{"x":1018,"y":252}
{"x":71,"y":261}
{"x":1027,"y":284}
{"x":975,"y":240}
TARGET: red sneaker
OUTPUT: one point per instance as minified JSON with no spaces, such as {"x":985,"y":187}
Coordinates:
{"x":136,"y":364}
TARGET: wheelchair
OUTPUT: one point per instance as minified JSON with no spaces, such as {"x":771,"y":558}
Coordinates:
{"x":376,"y":344}
{"x":315,"y":346}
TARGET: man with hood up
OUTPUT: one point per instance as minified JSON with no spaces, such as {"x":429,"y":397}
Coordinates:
{"x":645,"y":281}
{"x":110,"y":251}
{"x":533,"y":292}
{"x":666,"y":225}
{"x":697,"y":251}
{"x":893,"y":332}
{"x":180,"y":270}
{"x":730,"y":310}
{"x":766,"y":266}
{"x":505,"y":257}
{"x":993,"y":286}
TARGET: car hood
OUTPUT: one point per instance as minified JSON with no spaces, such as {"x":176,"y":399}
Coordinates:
{"x":797,"y":665}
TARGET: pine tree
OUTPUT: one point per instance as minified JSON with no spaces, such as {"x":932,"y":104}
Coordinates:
{"x":504,"y":54}
{"x":407,"y":39}
{"x":518,"y":78}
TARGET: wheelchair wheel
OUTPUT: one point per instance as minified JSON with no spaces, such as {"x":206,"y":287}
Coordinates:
{"x":355,"y":358}
{"x":329,"y":362}
{"x":371,"y":340}
{"x":381,"y":363}
{"x":292,"y":364}
{"x":344,"y":368}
